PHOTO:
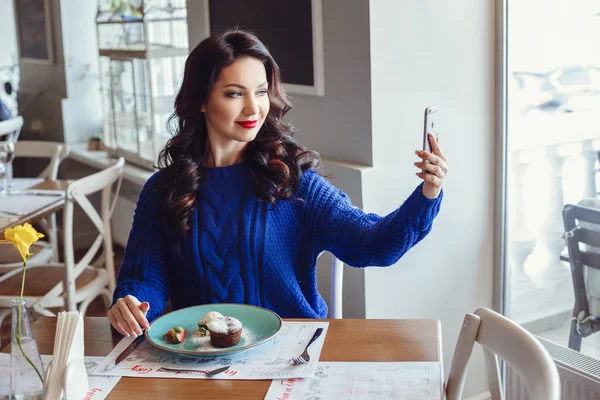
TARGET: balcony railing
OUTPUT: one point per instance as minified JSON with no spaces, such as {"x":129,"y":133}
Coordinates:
{"x":552,"y":161}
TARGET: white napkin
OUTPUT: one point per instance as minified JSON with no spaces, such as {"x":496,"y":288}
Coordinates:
{"x":66,"y":374}
{"x":23,"y":183}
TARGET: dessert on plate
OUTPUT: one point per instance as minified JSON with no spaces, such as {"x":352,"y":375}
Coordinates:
{"x":225,"y":332}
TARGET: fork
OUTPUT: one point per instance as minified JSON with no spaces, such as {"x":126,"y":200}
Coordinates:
{"x":207,"y":373}
{"x":304,"y":358}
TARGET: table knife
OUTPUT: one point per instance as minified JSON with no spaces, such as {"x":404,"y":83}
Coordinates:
{"x":125,"y":353}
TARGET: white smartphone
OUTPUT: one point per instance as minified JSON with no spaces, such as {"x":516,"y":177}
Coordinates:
{"x":430,"y":125}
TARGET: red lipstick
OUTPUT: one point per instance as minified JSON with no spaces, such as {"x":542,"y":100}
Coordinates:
{"x":249,"y":124}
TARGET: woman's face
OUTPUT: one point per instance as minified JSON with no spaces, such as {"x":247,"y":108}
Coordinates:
{"x":238,"y":103}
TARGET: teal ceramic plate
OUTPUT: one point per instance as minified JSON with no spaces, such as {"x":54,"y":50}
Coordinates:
{"x":258,"y":326}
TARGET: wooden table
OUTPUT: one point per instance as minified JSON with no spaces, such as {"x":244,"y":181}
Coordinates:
{"x":42,"y":212}
{"x":346,"y":340}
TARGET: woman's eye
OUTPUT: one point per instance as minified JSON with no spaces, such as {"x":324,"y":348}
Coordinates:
{"x":234,"y":94}
{"x":262,"y":92}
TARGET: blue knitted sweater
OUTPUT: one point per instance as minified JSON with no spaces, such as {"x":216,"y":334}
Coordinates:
{"x":240,"y":251}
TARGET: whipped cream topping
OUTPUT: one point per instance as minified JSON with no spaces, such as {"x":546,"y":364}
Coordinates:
{"x":210,"y":316}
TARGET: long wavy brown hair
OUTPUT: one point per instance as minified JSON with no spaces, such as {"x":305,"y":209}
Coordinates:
{"x":274,"y":158}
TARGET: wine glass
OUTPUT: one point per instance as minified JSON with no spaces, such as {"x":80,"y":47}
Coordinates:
{"x":7,"y":153}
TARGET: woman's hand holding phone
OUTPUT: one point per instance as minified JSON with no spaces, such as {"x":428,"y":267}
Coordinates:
{"x":435,"y":165}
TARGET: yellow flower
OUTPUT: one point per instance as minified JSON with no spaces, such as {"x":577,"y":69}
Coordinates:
{"x":22,"y":237}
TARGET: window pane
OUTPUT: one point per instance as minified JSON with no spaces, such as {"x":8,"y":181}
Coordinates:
{"x":553,"y":144}
{"x":123,"y":99}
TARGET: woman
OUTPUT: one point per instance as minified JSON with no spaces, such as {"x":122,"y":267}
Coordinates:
{"x":237,"y":212}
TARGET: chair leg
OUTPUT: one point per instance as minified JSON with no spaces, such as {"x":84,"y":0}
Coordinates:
{"x":34,"y":316}
{"x":42,"y":311}
{"x":3,"y":314}
{"x":54,"y":237}
{"x":109,"y":260}
{"x":107,"y":298}
{"x":84,"y":305}
{"x":99,"y":261}
{"x":493,"y":374}
{"x":574,"y":337}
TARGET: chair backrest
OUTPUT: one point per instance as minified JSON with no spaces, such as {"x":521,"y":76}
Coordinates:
{"x":503,"y":338}
{"x":77,"y":192}
{"x":337,"y":285}
{"x":11,"y":128}
{"x":581,"y":226}
{"x":55,"y":152}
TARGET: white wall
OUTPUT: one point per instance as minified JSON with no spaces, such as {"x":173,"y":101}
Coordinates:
{"x":8,"y":35}
{"x":338,"y":125}
{"x":9,"y":53}
{"x":422,"y":53}
{"x":82,"y":107}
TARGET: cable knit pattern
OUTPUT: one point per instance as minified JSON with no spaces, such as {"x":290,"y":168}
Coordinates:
{"x":220,"y":219}
{"x":241,"y":250}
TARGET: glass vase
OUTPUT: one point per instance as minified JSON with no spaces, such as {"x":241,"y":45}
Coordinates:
{"x":25,"y":383}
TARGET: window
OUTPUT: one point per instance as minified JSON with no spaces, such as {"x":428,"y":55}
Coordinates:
{"x":552,"y":152}
{"x":142,"y":56}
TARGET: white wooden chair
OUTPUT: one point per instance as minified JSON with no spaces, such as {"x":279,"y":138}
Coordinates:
{"x":11,"y":128}
{"x":45,"y":284}
{"x":53,"y":151}
{"x":582,"y":227}
{"x":337,"y":284}
{"x":43,"y":251}
{"x":503,"y":338}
